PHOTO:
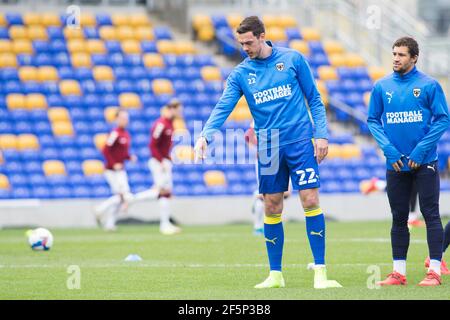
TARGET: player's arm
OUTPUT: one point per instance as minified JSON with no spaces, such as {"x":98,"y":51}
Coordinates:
{"x":316,"y":106}
{"x":155,"y":141}
{"x":439,"y":125}
{"x":220,"y":113}
{"x":376,"y":128}
{"x":107,"y":150}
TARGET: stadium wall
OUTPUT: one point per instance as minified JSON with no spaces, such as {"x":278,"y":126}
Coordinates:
{"x":194,"y":211}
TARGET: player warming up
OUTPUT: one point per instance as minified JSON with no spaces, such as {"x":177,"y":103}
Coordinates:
{"x":116,"y":151}
{"x":161,"y":164}
{"x":408,"y":114}
{"x":274,"y":81}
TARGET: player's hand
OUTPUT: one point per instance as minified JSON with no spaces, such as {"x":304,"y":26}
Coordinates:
{"x":320,"y":149}
{"x":200,"y":149}
{"x":118,"y":166}
{"x":133,"y":158}
{"x":413,"y":165}
{"x":398,"y":165}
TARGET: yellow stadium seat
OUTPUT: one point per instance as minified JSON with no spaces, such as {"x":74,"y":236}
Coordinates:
{"x":18,"y":32}
{"x":287,"y":21}
{"x":108,"y":33}
{"x":334,"y":151}
{"x":125,"y":33}
{"x":140,"y":20}
{"x":100,"y":140}
{"x":8,"y":141}
{"x":3,"y":22}
{"x":76,"y":46}
{"x":376,"y":73}
{"x":28,"y":73}
{"x":144,"y":34}
{"x":57,"y":114}
{"x":276,"y":34}
{"x":87,"y":20}
{"x":300,"y":45}
{"x":73,"y":33}
{"x":131,"y":47}
{"x":234,"y":20}
{"x":129,"y":100}
{"x":327,"y":73}
{"x":5,"y":46}
{"x":37,"y":32}
{"x":27,"y":142}
{"x":50,"y":20}
{"x":120,"y":19}
{"x":354,"y":60}
{"x":333,"y":46}
{"x":185,"y":47}
{"x":184,"y":153}
{"x":35,"y":101}
{"x":210,"y":73}
{"x":242,"y":102}
{"x":93,"y":167}
{"x":323,"y":91}
{"x":47,"y":73}
{"x":15,"y":101}
{"x":337,"y":60}
{"x":206,"y":34}
{"x":152,"y":60}
{"x":4,"y":182}
{"x":367,"y":98}
{"x":162,"y":86}
{"x":54,"y":168}
{"x":270,"y":21}
{"x":31,"y":18}
{"x":8,"y":60}
{"x":214,"y":178}
{"x":95,"y":46}
{"x":103,"y":73}
{"x":69,"y":87}
{"x":200,"y":21}
{"x":110,"y":114}
{"x":241,"y":114}
{"x":22,"y":47}
{"x":62,"y":128}
{"x":351,"y":151}
{"x":310,"y":34}
{"x":166,"y":46}
{"x":80,"y":60}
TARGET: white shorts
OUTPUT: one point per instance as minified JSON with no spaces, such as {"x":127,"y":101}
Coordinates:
{"x":118,"y":181}
{"x":162,"y":173}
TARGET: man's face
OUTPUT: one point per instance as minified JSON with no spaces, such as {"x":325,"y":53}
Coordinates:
{"x":173,"y":112}
{"x":251,"y":44}
{"x":122,"y":119}
{"x":402,"y":60}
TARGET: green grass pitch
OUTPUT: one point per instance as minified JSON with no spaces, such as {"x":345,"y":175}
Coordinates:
{"x":207,"y":262}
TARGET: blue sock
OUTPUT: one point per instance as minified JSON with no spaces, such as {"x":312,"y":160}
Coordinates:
{"x":315,"y":227}
{"x":274,"y":234}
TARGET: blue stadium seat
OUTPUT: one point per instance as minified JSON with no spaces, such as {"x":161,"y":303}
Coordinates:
{"x":103,"y":19}
{"x":149,"y":47}
{"x":57,"y":46}
{"x":31,"y":155}
{"x":61,"y":59}
{"x":100,"y":59}
{"x":41,"y":192}
{"x":37,"y":179}
{"x":138,"y":73}
{"x":4,"y":33}
{"x":11,"y":155}
{"x":90,"y":153}
{"x":25,"y":60}
{"x":83,"y":74}
{"x":12,"y":87}
{"x":293,"y":34}
{"x":77,"y":178}
{"x":81,"y":192}
{"x":24,"y":127}
{"x":50,"y":153}
{"x":55,"y":33}
{"x":21,"y":193}
{"x":113,"y":47}
{"x":34,"y":166}
{"x":91,"y":33}
{"x":55,"y":100}
{"x":13,"y":18}
{"x":133,"y":60}
{"x":162,"y":33}
{"x":70,"y":154}
{"x":61,"y":192}
{"x":41,"y":46}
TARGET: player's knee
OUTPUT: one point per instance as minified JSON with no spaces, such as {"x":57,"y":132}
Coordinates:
{"x":310,"y":201}
{"x":273,"y":207}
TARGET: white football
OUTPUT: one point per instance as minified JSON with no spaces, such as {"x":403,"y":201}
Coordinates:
{"x":40,"y":239}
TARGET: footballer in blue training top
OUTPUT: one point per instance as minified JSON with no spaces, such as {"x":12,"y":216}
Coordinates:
{"x":408,"y":114}
{"x":277,"y":82}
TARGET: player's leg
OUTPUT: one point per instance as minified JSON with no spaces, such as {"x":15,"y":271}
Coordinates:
{"x":258,"y":214}
{"x":273,"y":177}
{"x":119,"y":185}
{"x":428,"y":187}
{"x":398,"y":189}
{"x":413,"y":220}
{"x":446,"y":241}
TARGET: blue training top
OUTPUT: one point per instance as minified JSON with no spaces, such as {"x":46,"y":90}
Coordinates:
{"x":274,"y":88}
{"x":407,"y":116}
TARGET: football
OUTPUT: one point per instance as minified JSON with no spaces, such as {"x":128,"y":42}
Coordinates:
{"x":40,"y":239}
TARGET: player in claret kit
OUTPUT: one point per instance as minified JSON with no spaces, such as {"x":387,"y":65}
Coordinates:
{"x":408,"y":114}
{"x":116,"y":152}
{"x":160,"y":163}
{"x":274,"y":81}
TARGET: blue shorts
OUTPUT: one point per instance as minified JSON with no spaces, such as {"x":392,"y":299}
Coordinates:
{"x":295,"y":160}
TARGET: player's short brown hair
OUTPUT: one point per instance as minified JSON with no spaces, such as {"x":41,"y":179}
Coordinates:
{"x":410,"y":43}
{"x":253,"y":24}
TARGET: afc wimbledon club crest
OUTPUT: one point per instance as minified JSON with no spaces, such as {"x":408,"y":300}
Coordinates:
{"x":416,"y":92}
{"x":280,"y":66}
